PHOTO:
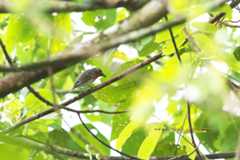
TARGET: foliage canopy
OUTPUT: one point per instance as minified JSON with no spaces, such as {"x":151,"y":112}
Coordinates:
{"x":171,"y":87}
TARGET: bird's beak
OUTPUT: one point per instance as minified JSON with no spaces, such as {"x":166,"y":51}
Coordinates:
{"x":103,"y":75}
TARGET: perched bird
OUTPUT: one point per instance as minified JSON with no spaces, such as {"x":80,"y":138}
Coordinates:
{"x":88,"y":77}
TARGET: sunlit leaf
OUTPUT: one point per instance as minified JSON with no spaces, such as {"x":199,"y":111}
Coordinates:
{"x":148,"y":145}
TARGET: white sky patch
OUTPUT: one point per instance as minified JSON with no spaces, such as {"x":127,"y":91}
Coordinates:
{"x":78,"y":25}
{"x":113,"y":153}
{"x":220,"y":66}
{"x":202,"y":18}
{"x":87,"y":66}
{"x":103,"y":128}
{"x":160,"y":113}
{"x":191,"y":93}
{"x":70,"y":119}
{"x":232,"y":104}
{"x":222,"y":37}
{"x":129,"y":51}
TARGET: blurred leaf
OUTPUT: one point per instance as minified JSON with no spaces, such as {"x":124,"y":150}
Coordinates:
{"x":34,"y":105}
{"x":14,"y":110}
{"x":133,"y":143}
{"x":149,"y":48}
{"x":11,"y":152}
{"x":122,"y":14}
{"x":217,"y":127}
{"x":150,"y":142}
{"x":61,"y":36}
{"x":101,"y":19}
{"x":116,"y":94}
{"x":119,"y":122}
{"x":125,"y":134}
{"x":166,"y":145}
{"x":62,"y":138}
{"x":236,"y":53}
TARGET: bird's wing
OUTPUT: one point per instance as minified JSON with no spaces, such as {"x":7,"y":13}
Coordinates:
{"x":82,"y":79}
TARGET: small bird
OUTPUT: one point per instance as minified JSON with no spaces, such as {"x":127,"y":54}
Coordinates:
{"x":88,"y":77}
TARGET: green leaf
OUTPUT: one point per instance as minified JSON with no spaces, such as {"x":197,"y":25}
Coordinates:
{"x":236,"y":53}
{"x":149,"y":48}
{"x":34,"y":105}
{"x":150,"y":142}
{"x":59,"y":40}
{"x":101,"y":19}
{"x":119,"y":122}
{"x":166,"y":145}
{"x":62,"y":138}
{"x":217,"y":127}
{"x":133,"y":143}
{"x":11,"y":152}
{"x":116,"y":94}
{"x":125,"y":134}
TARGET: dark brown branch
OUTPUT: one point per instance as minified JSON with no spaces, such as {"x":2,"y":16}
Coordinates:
{"x":80,"y":51}
{"x":8,"y":85}
{"x":86,"y":93}
{"x":66,"y":6}
{"x":83,"y":51}
{"x":38,"y":95}
{"x":219,"y":156}
{"x":217,"y":18}
{"x":9,"y":60}
{"x":94,"y":111}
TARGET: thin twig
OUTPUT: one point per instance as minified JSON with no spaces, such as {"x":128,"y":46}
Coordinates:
{"x":180,"y":134}
{"x":102,"y":142}
{"x":5,"y":52}
{"x":174,"y":42}
{"x":191,"y":131}
{"x":95,"y":111}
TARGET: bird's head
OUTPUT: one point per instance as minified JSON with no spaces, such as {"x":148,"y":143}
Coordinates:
{"x":98,"y":72}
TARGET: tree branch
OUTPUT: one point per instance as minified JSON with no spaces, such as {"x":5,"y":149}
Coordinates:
{"x":28,"y":143}
{"x":94,"y":111}
{"x":9,"y":60}
{"x":8,"y":85}
{"x":38,"y":95}
{"x":80,"y":51}
{"x":86,"y":93}
{"x":66,"y":6}
{"x":32,"y":144}
{"x":155,"y":9}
